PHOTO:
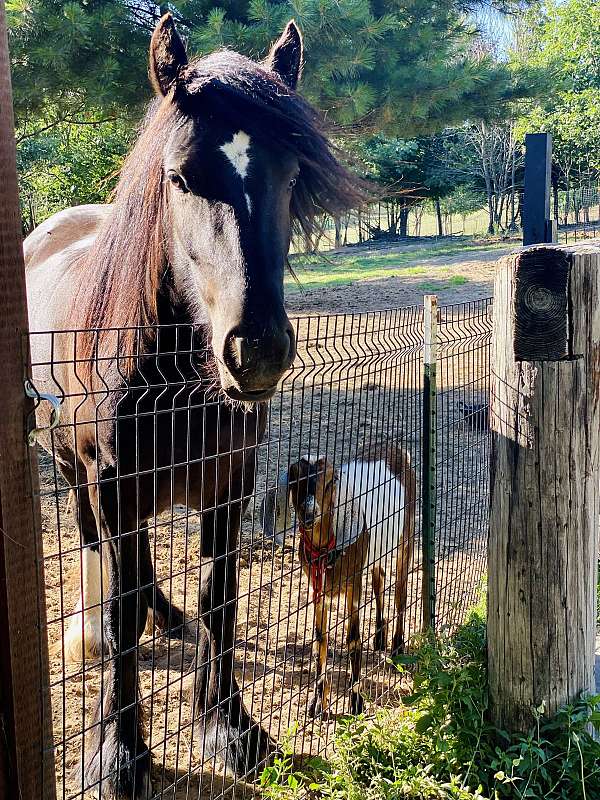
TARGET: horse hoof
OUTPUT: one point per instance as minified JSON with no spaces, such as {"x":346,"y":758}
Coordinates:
{"x":173,"y":625}
{"x":83,"y":638}
{"x":118,"y":772}
{"x":244,"y":749}
{"x":398,"y":646}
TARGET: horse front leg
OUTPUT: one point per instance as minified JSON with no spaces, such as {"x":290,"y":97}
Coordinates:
{"x":229,"y":731}
{"x":117,"y":765}
{"x":166,"y":616}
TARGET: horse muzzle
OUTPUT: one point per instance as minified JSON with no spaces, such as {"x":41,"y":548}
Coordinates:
{"x":251,"y":367}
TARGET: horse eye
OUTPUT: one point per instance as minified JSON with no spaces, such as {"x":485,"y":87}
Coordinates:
{"x":292,"y":183}
{"x":177,"y":181}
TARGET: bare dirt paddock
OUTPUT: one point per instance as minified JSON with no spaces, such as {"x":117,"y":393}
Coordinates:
{"x":357,"y":382}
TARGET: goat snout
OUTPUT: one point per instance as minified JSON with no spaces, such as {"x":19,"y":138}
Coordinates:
{"x":310,"y":511}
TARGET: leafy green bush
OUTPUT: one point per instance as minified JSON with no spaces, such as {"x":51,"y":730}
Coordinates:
{"x":440,"y":746}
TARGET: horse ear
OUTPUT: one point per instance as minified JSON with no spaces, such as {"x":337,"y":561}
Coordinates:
{"x":285,"y":57}
{"x":167,"y":55}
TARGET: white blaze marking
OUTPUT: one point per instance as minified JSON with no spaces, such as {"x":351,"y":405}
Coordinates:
{"x":236,"y":152}
{"x":310,"y":458}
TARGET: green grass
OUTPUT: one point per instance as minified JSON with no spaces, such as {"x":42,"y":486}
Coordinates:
{"x":439,"y":286}
{"x":317,"y":272}
{"x":441,"y":746}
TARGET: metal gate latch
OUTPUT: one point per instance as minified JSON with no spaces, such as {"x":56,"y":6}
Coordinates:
{"x":32,"y":392}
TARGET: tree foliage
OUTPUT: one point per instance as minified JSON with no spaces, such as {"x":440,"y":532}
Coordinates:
{"x":396,"y":70}
{"x":402,"y":64}
{"x":567,"y":46}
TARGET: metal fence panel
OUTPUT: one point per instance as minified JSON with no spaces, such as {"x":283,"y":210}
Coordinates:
{"x":356,"y":385}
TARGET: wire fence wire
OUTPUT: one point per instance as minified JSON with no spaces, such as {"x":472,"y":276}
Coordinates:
{"x":355,"y":390}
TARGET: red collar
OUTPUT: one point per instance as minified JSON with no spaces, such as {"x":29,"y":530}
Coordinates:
{"x":317,"y":559}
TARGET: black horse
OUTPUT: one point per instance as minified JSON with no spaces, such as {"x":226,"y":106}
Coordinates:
{"x":189,"y":258}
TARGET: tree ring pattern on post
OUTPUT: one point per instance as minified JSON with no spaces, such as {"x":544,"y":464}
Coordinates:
{"x":541,"y":309}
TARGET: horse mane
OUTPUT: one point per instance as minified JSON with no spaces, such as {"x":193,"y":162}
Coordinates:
{"x":118,"y":304}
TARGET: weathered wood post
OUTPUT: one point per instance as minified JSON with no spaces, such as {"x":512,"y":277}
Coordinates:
{"x":26,"y":757}
{"x":545,"y":420}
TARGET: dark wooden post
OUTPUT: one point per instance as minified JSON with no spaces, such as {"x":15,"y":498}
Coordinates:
{"x":538,"y":227}
{"x":545,"y":419}
{"x":26,"y":762}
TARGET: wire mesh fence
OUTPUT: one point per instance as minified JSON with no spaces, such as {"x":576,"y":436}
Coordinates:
{"x":219,"y":576}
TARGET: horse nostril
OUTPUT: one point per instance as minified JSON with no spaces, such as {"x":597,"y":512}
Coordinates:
{"x":291,"y":345}
{"x":240,"y":354}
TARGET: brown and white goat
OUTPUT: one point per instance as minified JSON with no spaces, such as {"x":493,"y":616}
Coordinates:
{"x":352,"y":518}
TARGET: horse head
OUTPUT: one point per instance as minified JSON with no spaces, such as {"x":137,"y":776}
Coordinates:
{"x":230,"y":183}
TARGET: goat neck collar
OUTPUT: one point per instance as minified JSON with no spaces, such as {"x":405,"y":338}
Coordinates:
{"x":318,"y":558}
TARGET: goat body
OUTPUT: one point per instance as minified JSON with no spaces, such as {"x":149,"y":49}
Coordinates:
{"x":360,"y":516}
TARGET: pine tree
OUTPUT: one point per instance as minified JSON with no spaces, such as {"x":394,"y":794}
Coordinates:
{"x":404,"y":65}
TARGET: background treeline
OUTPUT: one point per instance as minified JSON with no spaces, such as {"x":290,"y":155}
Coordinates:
{"x":432,"y":97}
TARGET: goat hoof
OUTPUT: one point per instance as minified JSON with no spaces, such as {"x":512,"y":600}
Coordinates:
{"x":315,"y":707}
{"x":357,"y":704}
{"x":398,"y":646}
{"x":379,"y":640}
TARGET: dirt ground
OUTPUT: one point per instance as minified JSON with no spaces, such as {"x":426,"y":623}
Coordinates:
{"x":357,"y":381}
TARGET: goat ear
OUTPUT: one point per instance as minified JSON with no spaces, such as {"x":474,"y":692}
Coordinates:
{"x":276,"y":510}
{"x":286,"y":54}
{"x":292,"y":476}
{"x":167,"y":55}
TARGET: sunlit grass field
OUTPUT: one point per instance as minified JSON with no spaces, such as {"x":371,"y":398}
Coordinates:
{"x":343,"y":269}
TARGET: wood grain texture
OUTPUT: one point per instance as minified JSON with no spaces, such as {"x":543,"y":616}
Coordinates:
{"x":541,"y":308}
{"x":543,"y":548}
{"x":26,"y":759}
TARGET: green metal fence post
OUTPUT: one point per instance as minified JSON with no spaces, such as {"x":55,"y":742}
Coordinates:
{"x":428,"y":461}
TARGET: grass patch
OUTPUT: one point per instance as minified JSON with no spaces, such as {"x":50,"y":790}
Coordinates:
{"x":439,"y":286}
{"x":440,"y":746}
{"x":315,"y":272}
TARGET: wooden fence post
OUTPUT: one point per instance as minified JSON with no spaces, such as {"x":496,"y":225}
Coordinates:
{"x":26,"y":761}
{"x":545,"y":418}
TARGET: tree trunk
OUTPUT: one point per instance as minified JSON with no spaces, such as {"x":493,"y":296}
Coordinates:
{"x":403,"y":220}
{"x":545,"y":419}
{"x":26,"y":751}
{"x":338,"y":232}
{"x":438,"y":212}
{"x":490,"y":201}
